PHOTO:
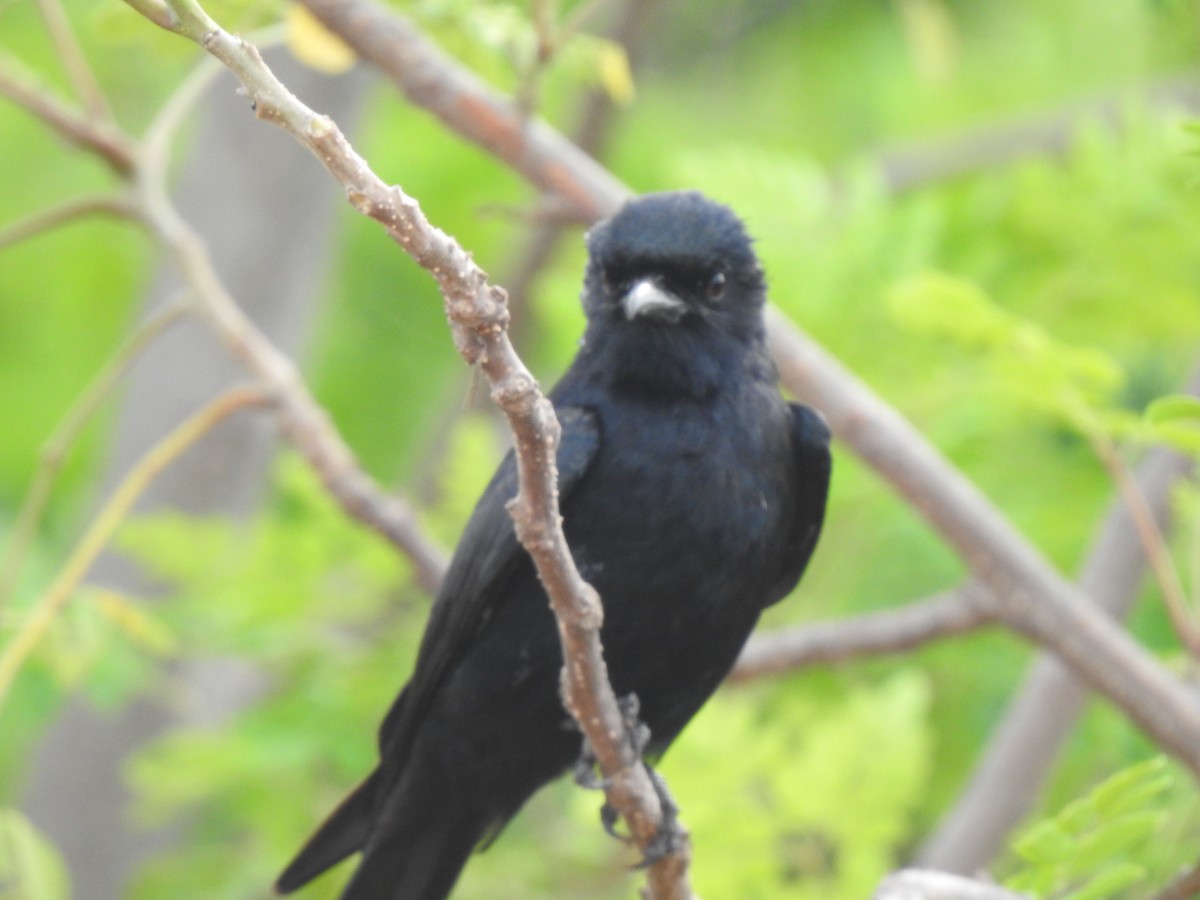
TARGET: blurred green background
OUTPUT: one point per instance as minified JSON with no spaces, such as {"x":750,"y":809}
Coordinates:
{"x":799,"y":115}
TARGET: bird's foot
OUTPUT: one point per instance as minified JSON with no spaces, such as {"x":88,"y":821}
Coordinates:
{"x":584,"y":770}
{"x":638,"y":731}
{"x":670,"y":837}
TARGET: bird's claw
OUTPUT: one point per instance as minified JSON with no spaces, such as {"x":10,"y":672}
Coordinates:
{"x":584,"y":771}
{"x":638,"y":731}
{"x":609,"y":818}
{"x":670,"y":836}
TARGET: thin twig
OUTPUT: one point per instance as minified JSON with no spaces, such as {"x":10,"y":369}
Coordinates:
{"x":887,"y":631}
{"x":1185,"y":886}
{"x":76,"y":64}
{"x":156,"y":142}
{"x":111,"y":515}
{"x":102,"y":138}
{"x":1174,"y":596}
{"x":1025,"y":592}
{"x":1020,"y":753}
{"x":66,"y":433}
{"x":468,"y":106}
{"x":925,"y":884}
{"x":118,"y":205}
{"x":301,"y":419}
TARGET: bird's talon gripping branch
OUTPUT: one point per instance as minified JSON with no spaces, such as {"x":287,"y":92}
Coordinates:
{"x":584,"y":770}
{"x":638,"y":731}
{"x":609,"y":818}
{"x":671,"y":836}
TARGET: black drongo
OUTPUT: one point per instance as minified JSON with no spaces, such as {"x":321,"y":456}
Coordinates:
{"x":692,"y":496}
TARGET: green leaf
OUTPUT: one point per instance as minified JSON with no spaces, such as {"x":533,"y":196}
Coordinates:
{"x":613,"y":72}
{"x":1174,"y":408}
{"x":943,"y":305}
{"x":315,"y":45}
{"x":1122,"y":836}
{"x":1184,"y":439}
{"x":1132,"y":788}
{"x":31,"y":868}
{"x":1118,"y":820}
{"x":1045,"y":842}
{"x":1077,"y":816}
{"x":138,"y":624}
{"x":1110,"y":882}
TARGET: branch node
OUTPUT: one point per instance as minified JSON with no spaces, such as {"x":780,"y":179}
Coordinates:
{"x":517,"y":394}
{"x":587,"y":613}
{"x":360,"y":201}
{"x":321,"y":126}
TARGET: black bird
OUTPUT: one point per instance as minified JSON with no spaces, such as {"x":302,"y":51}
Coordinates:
{"x":692,"y":497}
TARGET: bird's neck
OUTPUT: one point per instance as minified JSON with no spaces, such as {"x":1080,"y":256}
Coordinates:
{"x":672,"y":364}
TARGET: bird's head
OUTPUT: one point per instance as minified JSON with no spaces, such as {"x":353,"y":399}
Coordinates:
{"x":674,"y":259}
{"x":674,"y":297}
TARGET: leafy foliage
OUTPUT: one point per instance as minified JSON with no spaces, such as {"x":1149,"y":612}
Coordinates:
{"x":333,"y":634}
{"x":1112,"y":842}
{"x":798,"y":800}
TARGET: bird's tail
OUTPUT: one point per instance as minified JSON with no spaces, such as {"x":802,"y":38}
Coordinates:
{"x":345,"y":832}
{"x":418,"y":859}
{"x":414,"y":843}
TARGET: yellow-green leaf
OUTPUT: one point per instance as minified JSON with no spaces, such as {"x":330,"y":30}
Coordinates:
{"x":135,"y":623}
{"x":613,"y":72}
{"x":1176,"y":408}
{"x":30,"y":866}
{"x":314,"y":44}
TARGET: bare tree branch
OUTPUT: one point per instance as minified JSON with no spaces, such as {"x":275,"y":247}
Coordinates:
{"x":34,"y":626}
{"x":888,"y":631}
{"x":31,"y":226}
{"x":432,"y":80}
{"x":479,"y":316}
{"x":1026,"y":743}
{"x":1026,"y":593}
{"x":65,"y":434}
{"x":924,"y":884}
{"x":100,"y":137}
{"x":73,"y":60}
{"x":1048,"y":134}
{"x":301,"y":419}
{"x":1185,"y":886}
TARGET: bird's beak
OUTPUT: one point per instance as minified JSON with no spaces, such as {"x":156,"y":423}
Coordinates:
{"x":646,"y":298}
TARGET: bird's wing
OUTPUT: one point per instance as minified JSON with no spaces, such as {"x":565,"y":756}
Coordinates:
{"x":487,"y":552}
{"x":810,"y":455}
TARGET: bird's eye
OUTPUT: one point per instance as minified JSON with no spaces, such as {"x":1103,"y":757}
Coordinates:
{"x":716,"y":286}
